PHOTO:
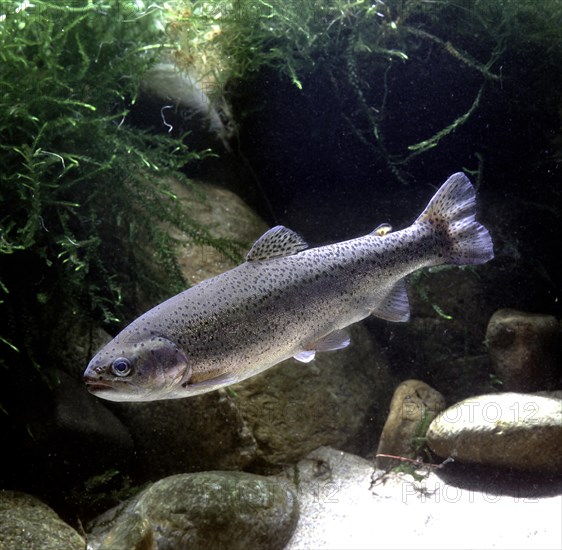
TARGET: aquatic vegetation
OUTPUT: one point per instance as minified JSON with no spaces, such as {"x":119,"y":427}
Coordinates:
{"x":362,"y":49}
{"x":83,"y":189}
{"x":358,"y":47}
{"x":419,"y":439}
{"x":417,"y":284}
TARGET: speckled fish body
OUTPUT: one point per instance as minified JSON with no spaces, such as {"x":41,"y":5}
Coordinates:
{"x":284,"y":301}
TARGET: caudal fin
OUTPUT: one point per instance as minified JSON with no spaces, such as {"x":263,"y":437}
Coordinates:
{"x":453,"y":208}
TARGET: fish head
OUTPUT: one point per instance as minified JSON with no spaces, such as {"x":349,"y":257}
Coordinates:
{"x":146,"y":370}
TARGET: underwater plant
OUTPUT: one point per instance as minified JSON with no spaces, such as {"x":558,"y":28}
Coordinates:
{"x":358,"y":46}
{"x":364,"y":49}
{"x":89,"y":218}
{"x":90,"y":221}
{"x":82,"y":188}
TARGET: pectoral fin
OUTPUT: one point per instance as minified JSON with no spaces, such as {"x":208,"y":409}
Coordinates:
{"x":218,"y":381}
{"x":338,"y":339}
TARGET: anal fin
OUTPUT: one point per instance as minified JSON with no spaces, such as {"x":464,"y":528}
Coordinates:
{"x":395,"y":306}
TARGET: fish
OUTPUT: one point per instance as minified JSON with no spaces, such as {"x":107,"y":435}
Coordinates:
{"x":285,"y":300}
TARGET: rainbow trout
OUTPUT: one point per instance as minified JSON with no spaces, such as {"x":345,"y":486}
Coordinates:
{"x":286,"y":300}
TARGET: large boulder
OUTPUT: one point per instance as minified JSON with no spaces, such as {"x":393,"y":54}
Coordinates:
{"x":233,"y":510}
{"x":514,"y":430}
{"x":526,"y":350}
{"x":226,"y":216}
{"x":414,"y":405}
{"x":28,"y":523}
{"x":345,"y":503}
{"x":187,"y":435}
{"x":340,"y":399}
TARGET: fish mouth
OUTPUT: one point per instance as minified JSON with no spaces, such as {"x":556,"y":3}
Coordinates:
{"x":96,"y":386}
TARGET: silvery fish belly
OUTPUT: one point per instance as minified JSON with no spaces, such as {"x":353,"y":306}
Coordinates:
{"x":286,"y":300}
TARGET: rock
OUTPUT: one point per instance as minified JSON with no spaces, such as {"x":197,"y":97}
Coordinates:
{"x":525,"y":349}
{"x":133,"y":532}
{"x":340,"y":399}
{"x":513,"y":430}
{"x":27,"y":523}
{"x":78,"y":423}
{"x":334,"y":499}
{"x":413,"y":406}
{"x":227,"y":217}
{"x":232,"y":510}
{"x":73,"y":339}
{"x":77,"y":420}
{"x":180,"y":100}
{"x":344,"y":505}
{"x":70,"y":435}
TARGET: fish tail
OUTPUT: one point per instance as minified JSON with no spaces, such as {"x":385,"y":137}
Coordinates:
{"x":451,"y":213}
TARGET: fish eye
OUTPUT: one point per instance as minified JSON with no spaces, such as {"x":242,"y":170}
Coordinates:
{"x":121,"y":367}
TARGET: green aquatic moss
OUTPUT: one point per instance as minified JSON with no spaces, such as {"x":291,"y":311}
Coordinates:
{"x":81,"y":188}
{"x":87,"y":203}
{"x":358,"y":47}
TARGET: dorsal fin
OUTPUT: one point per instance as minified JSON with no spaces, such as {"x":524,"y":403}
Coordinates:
{"x":395,"y":307}
{"x":275,"y":243}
